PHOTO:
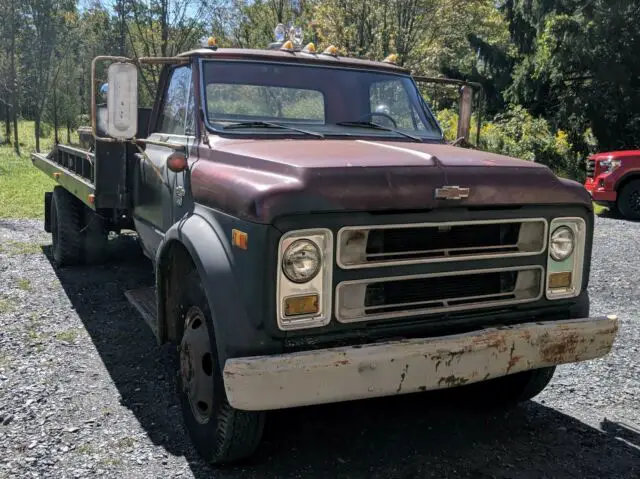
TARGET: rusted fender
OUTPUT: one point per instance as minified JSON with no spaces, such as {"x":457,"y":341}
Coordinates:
{"x":398,"y":367}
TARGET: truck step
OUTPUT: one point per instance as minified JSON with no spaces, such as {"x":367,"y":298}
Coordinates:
{"x":144,"y":300}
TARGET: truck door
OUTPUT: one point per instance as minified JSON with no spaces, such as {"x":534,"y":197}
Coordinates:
{"x":160,"y":198}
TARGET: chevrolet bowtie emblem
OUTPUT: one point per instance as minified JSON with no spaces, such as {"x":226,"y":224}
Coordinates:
{"x":451,"y":193}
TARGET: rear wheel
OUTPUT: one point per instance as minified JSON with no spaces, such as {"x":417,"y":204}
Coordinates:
{"x":629,"y":201}
{"x":96,"y":237}
{"x":66,"y":220}
{"x":219,"y":432}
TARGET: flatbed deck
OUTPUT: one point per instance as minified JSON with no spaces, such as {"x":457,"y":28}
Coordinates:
{"x":72,"y":168}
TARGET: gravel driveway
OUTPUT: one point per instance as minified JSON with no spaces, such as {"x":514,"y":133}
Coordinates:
{"x":85,"y":391}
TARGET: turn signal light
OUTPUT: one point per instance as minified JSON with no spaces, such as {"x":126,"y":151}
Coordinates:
{"x":177,"y":162}
{"x":560,"y":280}
{"x":299,"y":305}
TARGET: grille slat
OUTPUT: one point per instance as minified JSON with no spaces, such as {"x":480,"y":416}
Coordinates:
{"x":364,"y":300}
{"x":370,"y":246}
{"x":591,"y":168}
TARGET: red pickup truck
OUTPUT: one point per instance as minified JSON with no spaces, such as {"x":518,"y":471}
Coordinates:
{"x":613,"y":179}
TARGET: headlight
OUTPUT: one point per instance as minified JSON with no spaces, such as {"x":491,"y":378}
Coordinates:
{"x":609,"y":166}
{"x":562,"y":243}
{"x":304,"y":282}
{"x":565,"y":262}
{"x":301,"y":261}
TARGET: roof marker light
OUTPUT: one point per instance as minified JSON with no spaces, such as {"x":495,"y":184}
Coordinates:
{"x":287,"y":46}
{"x":212,"y":43}
{"x":331,"y":51}
{"x":393,"y":58}
{"x":309,"y":48}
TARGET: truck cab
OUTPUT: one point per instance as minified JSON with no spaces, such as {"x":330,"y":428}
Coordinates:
{"x":316,"y":240}
{"x":613,"y":180}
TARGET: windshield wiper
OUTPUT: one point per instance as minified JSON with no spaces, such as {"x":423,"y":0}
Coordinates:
{"x":376,"y":126}
{"x":269,"y":124}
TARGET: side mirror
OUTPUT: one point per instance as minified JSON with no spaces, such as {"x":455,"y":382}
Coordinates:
{"x":122,"y":101}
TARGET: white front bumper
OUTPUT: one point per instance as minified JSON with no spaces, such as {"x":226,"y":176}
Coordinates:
{"x":400,"y":367}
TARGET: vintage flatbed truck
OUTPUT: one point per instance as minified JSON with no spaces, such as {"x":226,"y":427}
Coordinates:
{"x":316,"y":240}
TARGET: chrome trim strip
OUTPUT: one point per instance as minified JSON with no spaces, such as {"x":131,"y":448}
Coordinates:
{"x":439,"y":259}
{"x":417,"y":312}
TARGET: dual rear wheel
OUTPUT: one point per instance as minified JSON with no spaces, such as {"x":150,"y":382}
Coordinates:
{"x":78,"y":234}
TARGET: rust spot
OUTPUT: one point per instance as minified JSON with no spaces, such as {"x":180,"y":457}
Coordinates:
{"x":452,"y":381}
{"x":559,"y":351}
{"x":513,"y":361}
{"x":526,"y":335}
{"x":496,"y":340}
{"x":438,"y":364}
{"x":402,"y":378}
{"x":342,"y":362}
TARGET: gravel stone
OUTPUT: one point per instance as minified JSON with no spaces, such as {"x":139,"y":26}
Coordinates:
{"x":85,"y":390}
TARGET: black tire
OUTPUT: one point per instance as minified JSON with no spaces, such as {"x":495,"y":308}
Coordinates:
{"x":229,"y":434}
{"x":95,"y":238}
{"x":629,"y":201}
{"x":508,"y":391}
{"x":66,"y":226}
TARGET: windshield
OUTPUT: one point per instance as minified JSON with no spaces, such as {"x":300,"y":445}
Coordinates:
{"x":326,"y":100}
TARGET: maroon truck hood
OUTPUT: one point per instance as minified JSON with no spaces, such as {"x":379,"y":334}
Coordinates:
{"x":259,"y":180}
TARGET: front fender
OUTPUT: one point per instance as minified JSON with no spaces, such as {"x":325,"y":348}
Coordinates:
{"x":236,"y":331}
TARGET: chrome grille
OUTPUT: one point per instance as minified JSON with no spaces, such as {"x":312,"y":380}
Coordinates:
{"x":386,"y":245}
{"x":591,"y":168}
{"x":400,"y":296}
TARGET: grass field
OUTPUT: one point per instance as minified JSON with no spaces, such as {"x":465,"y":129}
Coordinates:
{"x":22,"y":186}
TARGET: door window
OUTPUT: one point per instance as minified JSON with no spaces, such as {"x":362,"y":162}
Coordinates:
{"x":177,"y":115}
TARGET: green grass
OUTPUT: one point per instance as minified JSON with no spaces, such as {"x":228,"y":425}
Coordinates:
{"x":598,"y":210}
{"x":24,"y":284}
{"x":22,"y":186}
{"x":69,"y":336}
{"x":15,"y":248}
{"x":6,"y":305}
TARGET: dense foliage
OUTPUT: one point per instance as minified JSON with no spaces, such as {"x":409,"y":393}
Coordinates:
{"x":561,"y":78}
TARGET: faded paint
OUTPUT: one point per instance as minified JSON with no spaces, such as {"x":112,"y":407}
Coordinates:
{"x":259,"y":180}
{"x":399,"y":367}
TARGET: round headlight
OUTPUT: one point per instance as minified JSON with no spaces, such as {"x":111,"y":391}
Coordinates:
{"x":301,"y":261}
{"x":562,"y":243}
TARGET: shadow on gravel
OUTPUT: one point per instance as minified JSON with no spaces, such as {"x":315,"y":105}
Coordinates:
{"x":399,"y":437}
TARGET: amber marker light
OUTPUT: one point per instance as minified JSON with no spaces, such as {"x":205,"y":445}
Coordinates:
{"x":299,"y":305}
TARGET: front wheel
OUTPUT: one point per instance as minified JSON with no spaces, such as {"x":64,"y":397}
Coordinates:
{"x":508,"y":391}
{"x":629,"y":201}
{"x":220,"y":433}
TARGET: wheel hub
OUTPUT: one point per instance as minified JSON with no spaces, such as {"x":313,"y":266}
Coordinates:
{"x":196,"y":365}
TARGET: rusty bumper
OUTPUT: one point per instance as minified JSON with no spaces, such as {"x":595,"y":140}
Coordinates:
{"x":399,"y":367}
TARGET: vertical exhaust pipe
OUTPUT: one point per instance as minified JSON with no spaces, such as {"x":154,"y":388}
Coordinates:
{"x":464,"y":117}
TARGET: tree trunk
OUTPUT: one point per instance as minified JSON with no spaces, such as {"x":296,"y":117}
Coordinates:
{"x":55,"y":116}
{"x":164,"y":26}
{"x":68,"y":131}
{"x":12,"y":78}
{"x":38,"y":132}
{"x":7,"y":123}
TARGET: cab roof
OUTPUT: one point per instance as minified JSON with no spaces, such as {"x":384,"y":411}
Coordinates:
{"x":292,"y":57}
